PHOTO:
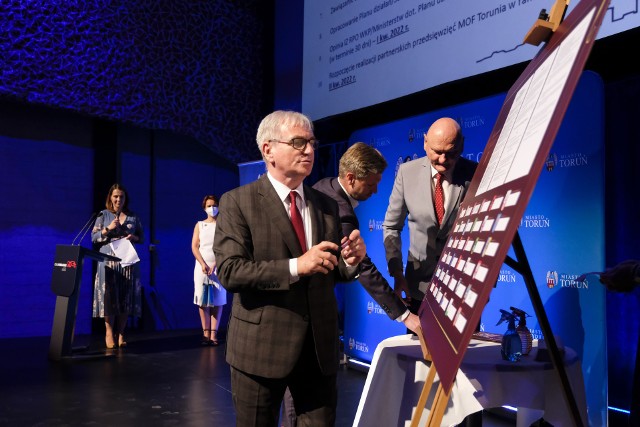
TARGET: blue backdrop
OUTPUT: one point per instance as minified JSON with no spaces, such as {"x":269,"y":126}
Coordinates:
{"x":562,"y":232}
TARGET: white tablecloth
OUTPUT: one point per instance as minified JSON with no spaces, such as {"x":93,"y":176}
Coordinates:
{"x":398,"y":370}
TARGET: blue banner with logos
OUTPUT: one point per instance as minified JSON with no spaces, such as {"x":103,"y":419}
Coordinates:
{"x":562,"y":232}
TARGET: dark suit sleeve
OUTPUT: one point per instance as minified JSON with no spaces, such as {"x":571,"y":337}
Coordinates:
{"x":377,"y":286}
{"x":370,"y":277}
{"x":331,"y":230}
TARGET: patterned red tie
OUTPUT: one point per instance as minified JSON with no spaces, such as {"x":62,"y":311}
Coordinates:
{"x":439,"y":198}
{"x":296,"y":220}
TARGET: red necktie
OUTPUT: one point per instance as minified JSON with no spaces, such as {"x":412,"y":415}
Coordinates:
{"x":439,"y":198}
{"x":296,"y":220}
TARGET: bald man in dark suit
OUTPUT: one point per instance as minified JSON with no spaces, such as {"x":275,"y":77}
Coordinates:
{"x":283,"y":329}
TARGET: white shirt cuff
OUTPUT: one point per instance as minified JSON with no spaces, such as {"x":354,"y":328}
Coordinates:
{"x":403,"y":316}
{"x":293,"y":270}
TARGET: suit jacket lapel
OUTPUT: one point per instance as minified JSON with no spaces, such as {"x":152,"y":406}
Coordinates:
{"x":348,"y":213}
{"x":318,"y":224}
{"x":428,"y":191}
{"x":456,"y":190}
{"x":339,"y":191}
{"x":272,"y":206}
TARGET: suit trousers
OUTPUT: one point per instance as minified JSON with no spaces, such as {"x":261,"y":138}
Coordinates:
{"x":257,"y":400}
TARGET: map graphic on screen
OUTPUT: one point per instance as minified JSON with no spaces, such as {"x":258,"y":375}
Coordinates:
{"x":359,"y":53}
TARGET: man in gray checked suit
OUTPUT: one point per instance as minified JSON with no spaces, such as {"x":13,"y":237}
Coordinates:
{"x":283,"y":329}
{"x":412,"y":198}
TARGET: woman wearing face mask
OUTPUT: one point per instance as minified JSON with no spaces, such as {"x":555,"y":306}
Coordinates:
{"x":209,"y":295}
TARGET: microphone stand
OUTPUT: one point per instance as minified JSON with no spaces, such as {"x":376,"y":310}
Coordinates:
{"x":85,"y":228}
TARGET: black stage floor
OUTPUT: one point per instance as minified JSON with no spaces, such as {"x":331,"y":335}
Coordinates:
{"x":160,"y":379}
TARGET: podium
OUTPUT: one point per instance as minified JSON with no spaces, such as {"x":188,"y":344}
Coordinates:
{"x":65,"y":283}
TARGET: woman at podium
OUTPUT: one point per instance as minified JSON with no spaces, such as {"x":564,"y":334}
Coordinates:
{"x":117,"y":289}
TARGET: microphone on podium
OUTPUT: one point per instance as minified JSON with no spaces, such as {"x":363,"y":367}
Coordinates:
{"x":119,"y":225}
{"x":86,"y":227}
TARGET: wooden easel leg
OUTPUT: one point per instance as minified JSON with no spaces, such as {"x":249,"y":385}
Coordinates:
{"x":441,"y":399}
{"x":439,"y":405}
{"x":422,"y":401}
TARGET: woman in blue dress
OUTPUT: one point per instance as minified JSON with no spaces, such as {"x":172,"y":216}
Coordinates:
{"x":117,"y":290}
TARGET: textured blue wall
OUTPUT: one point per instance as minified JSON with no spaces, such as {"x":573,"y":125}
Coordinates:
{"x":194,"y":67}
{"x":172,"y":67}
{"x":47,"y":183}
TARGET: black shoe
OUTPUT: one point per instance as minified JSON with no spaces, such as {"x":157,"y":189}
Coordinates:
{"x":205,"y":340}
{"x":214,"y":339}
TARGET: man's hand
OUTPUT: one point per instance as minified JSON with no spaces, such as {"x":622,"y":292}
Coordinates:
{"x":353,"y":248}
{"x":318,"y":259}
{"x":412,"y":322}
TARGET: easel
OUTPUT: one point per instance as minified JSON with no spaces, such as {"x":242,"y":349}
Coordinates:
{"x":546,"y":23}
{"x":540,"y":31}
{"x":441,"y":398}
{"x":440,"y":401}
{"x":522,"y":266}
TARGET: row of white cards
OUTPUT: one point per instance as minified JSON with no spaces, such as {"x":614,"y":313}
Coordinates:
{"x":498,"y":202}
{"x":471,"y":246}
{"x":452,"y":307}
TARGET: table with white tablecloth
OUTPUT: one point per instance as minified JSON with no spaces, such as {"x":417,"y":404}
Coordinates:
{"x":398,"y":371}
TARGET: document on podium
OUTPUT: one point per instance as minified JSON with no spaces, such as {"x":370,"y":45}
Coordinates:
{"x":125,"y":251}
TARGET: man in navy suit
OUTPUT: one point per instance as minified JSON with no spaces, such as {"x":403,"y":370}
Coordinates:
{"x":283,"y":327}
{"x":412,"y":198}
{"x":359,"y":173}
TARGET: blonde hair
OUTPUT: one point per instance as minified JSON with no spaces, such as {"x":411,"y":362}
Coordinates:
{"x":362,"y":160}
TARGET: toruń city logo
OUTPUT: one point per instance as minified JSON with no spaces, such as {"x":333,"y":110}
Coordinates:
{"x":373,"y":308}
{"x":565,"y":280}
{"x":569,"y":281}
{"x":507,"y":276}
{"x":471,"y":122}
{"x":375,"y":225}
{"x":573,"y":160}
{"x":379,"y":142}
{"x":535,"y":221}
{"x":552,"y":279}
{"x":359,"y":346}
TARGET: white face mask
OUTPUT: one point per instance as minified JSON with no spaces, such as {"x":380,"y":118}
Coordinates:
{"x":212,"y":210}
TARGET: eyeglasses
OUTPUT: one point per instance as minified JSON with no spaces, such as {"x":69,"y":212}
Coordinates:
{"x":299,"y":143}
